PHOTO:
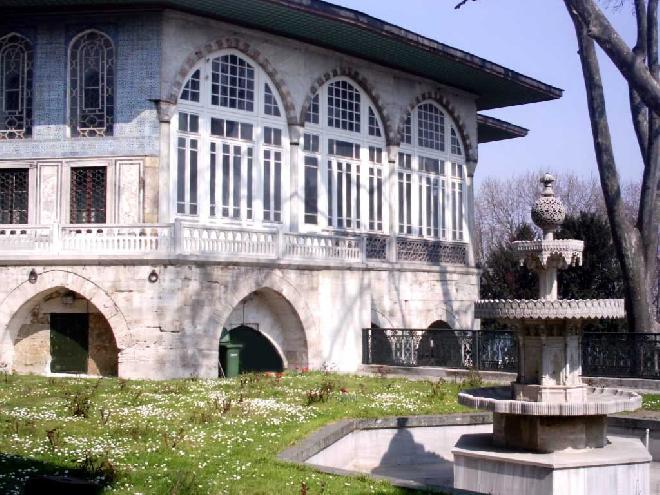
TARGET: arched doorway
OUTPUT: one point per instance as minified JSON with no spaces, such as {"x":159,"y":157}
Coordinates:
{"x":270,"y":332}
{"x":257,"y":352}
{"x":60,"y":331}
{"x":439,"y":347}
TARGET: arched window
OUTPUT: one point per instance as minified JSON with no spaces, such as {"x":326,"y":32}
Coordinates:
{"x":91,"y":85}
{"x":15,"y":87}
{"x":343,"y":147}
{"x":431,"y":175}
{"x":231,"y":143}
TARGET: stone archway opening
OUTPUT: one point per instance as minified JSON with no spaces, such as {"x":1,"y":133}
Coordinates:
{"x":270,"y":331}
{"x":438,"y":347}
{"x":258,"y":354}
{"x":61,"y":331}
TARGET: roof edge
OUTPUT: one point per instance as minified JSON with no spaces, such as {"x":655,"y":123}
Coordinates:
{"x":490,"y":129}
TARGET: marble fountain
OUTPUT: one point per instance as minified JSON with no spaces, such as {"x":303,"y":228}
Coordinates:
{"x":549,"y":429}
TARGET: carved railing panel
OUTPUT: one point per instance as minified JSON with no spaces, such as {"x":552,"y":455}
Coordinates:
{"x":376,"y":247}
{"x":426,"y":251}
{"x":312,"y":246}
{"x":129,"y":239}
{"x":25,"y":238}
{"x":222,"y":241}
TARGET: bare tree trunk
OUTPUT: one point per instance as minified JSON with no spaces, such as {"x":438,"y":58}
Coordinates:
{"x":628,"y":241}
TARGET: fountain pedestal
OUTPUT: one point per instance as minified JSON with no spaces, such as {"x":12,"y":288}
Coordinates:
{"x":549,"y":429}
{"x":621,"y":467}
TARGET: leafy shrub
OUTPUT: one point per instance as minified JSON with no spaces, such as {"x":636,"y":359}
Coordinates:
{"x":472,"y":379}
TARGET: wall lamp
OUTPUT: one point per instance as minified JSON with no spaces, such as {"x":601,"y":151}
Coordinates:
{"x":153,"y":277}
{"x":32,"y":276}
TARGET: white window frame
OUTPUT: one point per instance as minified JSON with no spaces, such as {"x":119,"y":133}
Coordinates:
{"x":448,"y":229}
{"x":328,"y":162}
{"x":258,"y":119}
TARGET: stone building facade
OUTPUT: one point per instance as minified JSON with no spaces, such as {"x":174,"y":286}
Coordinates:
{"x":168,"y":176}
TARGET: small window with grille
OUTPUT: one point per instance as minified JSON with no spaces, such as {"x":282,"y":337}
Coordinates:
{"x":91,"y":85}
{"x":13,"y":195}
{"x":88,"y":194}
{"x":15,"y":87}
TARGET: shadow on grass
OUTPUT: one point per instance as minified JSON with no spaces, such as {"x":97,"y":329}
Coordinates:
{"x":25,"y":476}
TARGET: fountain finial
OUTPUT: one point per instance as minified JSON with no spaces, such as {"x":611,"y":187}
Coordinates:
{"x":548,"y":212}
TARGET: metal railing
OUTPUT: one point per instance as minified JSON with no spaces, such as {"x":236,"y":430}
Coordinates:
{"x":632,"y":355}
{"x":482,"y":350}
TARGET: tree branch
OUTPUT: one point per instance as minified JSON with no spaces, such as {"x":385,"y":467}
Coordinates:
{"x":638,"y":110}
{"x":647,"y":221}
{"x":631,"y":67}
{"x":461,"y":3}
{"x":627,"y":239}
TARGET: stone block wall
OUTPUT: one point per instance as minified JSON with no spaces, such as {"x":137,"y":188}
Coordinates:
{"x":171,"y":328}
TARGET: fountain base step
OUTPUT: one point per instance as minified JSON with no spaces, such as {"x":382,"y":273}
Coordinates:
{"x":546,"y":434}
{"x":621,"y":467}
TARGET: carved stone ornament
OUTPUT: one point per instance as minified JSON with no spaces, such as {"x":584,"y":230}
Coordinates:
{"x":524,"y":309}
{"x":548,"y":212}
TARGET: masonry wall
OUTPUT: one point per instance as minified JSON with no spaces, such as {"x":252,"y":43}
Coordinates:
{"x":299,"y":66}
{"x":136,"y":39}
{"x":32,"y":343}
{"x":172,"y":327}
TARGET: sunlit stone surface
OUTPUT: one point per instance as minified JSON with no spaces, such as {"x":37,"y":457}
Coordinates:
{"x":548,"y":416}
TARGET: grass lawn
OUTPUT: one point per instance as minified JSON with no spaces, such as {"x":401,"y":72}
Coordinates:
{"x":194,"y":436}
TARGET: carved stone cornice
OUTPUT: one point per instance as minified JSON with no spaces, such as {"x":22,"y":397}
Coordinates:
{"x":536,"y":254}
{"x":542,"y":309}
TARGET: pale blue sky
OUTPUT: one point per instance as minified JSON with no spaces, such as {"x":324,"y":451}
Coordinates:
{"x":535,"y":37}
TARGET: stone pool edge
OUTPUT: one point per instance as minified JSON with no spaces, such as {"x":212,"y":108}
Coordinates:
{"x":324,"y":437}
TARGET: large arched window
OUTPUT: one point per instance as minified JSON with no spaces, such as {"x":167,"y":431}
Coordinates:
{"x":91,"y":85}
{"x":230,"y":144}
{"x":431,"y":176}
{"x":15,"y":87}
{"x":343,"y":186}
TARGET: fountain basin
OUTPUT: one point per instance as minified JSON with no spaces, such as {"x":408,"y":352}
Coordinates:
{"x":599,"y":401}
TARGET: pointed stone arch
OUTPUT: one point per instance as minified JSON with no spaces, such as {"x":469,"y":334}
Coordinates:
{"x":24,"y":294}
{"x":389,"y":129}
{"x":289,"y":293}
{"x":446,"y":104}
{"x":244,"y":47}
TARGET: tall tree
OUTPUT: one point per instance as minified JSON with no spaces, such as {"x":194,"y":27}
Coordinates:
{"x":635,"y":241}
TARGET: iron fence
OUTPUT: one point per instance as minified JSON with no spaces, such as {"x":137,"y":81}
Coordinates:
{"x":483,"y":350}
{"x":634,"y":355}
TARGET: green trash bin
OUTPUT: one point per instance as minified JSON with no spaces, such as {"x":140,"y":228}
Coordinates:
{"x":230,"y":355}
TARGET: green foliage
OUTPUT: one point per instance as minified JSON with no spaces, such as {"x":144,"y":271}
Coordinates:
{"x":189,"y":437}
{"x":504,"y":278}
{"x":599,"y":277}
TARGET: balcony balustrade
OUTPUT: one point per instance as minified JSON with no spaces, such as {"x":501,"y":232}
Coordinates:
{"x":216,"y":242}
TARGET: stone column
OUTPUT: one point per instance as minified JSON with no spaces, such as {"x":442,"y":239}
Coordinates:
{"x":296,"y":177}
{"x":392,"y":196}
{"x":472,"y":251}
{"x":165,"y":111}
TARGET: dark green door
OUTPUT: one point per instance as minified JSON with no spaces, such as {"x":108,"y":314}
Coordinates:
{"x":68,"y":342}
